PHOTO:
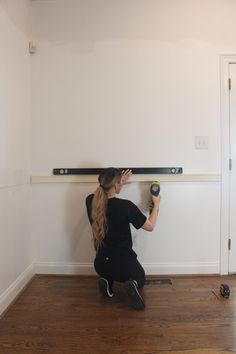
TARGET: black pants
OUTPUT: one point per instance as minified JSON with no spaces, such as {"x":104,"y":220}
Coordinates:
{"x":119,"y":265}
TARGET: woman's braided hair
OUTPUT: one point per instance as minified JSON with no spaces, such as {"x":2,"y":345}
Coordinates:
{"x":107,"y":179}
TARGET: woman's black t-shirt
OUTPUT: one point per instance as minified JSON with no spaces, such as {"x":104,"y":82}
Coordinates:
{"x":120,"y":214}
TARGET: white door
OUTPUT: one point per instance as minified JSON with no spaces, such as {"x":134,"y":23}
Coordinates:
{"x":232,"y":214}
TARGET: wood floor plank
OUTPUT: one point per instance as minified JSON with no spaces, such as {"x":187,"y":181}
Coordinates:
{"x":67,"y":315}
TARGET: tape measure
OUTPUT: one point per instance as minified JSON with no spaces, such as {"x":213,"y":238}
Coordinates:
{"x":224,"y":291}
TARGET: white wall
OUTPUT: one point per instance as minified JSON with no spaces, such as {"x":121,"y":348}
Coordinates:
{"x":186,"y":239}
{"x":129,"y":83}
{"x":15,"y":225}
{"x":149,"y":69}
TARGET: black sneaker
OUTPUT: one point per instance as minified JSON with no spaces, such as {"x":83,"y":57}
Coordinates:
{"x":105,"y":288}
{"x":135,"y":298}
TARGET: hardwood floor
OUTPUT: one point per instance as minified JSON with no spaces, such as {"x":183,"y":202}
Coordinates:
{"x":67,"y":315}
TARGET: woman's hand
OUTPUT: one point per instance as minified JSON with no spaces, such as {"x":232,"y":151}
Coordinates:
{"x":126,"y":174}
{"x":156,"y":200}
{"x":150,"y":223}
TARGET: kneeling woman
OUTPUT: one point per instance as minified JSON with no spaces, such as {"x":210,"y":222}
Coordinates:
{"x":110,"y":218}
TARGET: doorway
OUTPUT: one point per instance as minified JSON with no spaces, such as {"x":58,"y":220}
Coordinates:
{"x":228,"y":163}
{"x":232,"y":169}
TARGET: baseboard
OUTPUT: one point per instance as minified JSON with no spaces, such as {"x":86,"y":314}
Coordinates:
{"x":15,"y":288}
{"x":181,"y":269}
{"x":64,"y":268}
{"x":150,"y":268}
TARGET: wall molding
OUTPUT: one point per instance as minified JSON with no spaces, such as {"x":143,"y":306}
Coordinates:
{"x":150,"y":268}
{"x":10,"y":294}
{"x":64,"y":268}
{"x":134,"y":178}
{"x":181,"y":269}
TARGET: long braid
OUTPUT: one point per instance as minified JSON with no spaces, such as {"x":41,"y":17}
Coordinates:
{"x":107,"y":179}
{"x":99,"y":208}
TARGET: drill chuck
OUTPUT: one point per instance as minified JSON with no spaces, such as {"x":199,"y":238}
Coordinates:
{"x":155,"y":188}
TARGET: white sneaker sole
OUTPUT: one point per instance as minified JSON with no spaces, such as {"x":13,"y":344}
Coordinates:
{"x":135,"y":298}
{"x":104,"y":287}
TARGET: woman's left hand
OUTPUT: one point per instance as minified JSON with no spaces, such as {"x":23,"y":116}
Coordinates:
{"x":126,"y":174}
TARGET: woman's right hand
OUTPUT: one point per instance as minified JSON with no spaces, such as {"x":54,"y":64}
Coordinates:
{"x":126,"y":174}
{"x":151,"y":221}
{"x":156,"y":200}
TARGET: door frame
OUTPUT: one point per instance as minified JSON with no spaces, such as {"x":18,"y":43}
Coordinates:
{"x":225,"y":60}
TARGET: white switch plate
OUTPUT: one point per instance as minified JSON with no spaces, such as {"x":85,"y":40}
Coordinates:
{"x":201,"y":142}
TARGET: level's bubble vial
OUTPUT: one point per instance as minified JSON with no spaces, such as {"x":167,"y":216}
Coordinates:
{"x":62,"y":172}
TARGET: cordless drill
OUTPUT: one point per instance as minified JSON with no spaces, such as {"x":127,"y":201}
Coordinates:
{"x":154,"y":190}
